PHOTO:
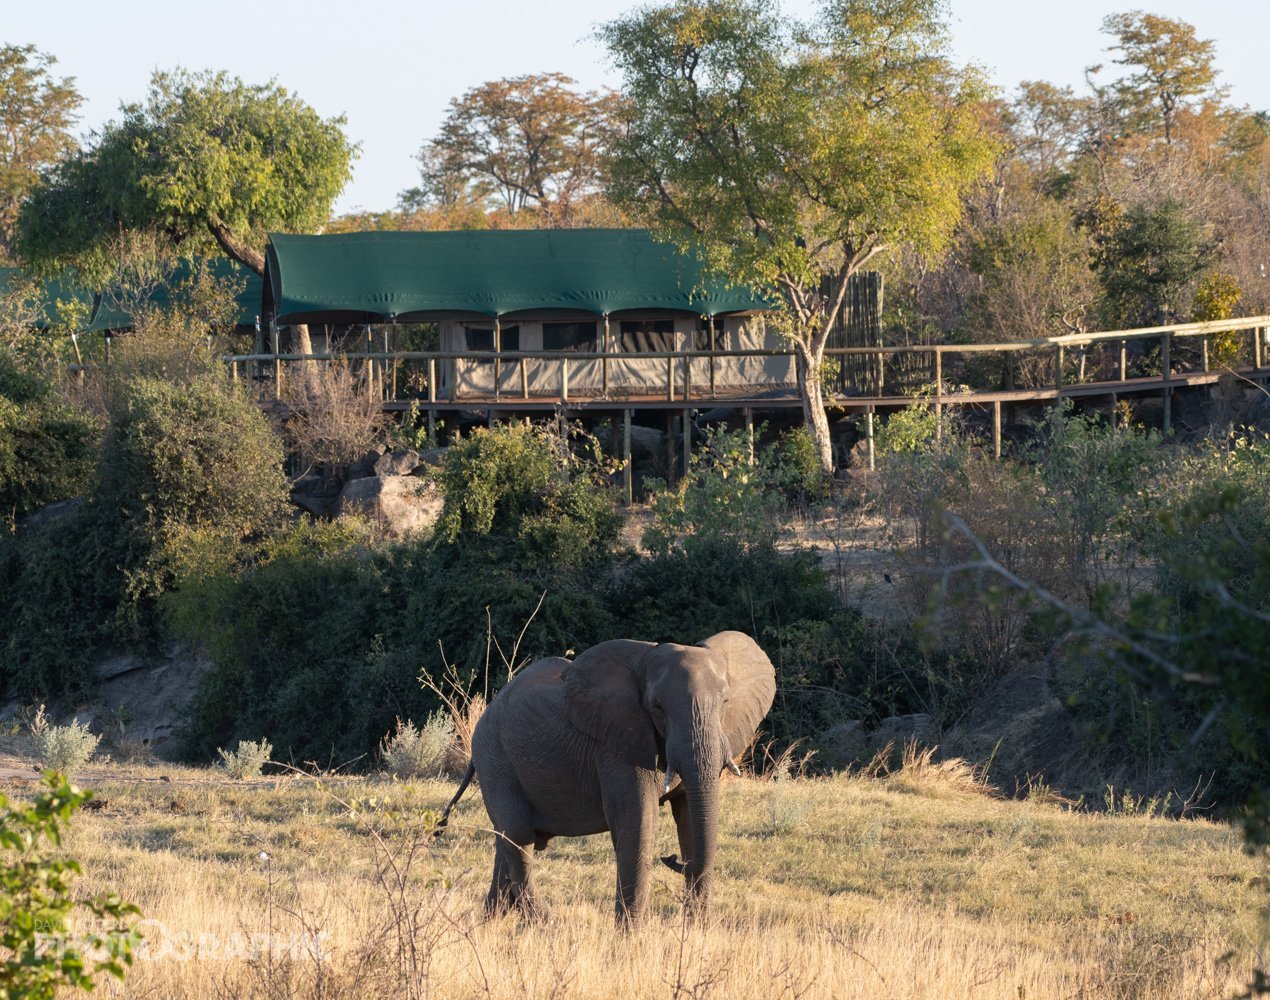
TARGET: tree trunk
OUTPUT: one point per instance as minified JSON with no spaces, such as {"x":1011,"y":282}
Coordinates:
{"x":808,"y":361}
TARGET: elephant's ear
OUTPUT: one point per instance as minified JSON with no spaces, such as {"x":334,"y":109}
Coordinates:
{"x":752,"y":681}
{"x":603,"y":697}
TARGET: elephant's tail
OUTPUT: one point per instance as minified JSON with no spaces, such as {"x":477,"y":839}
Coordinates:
{"x":445,"y":815}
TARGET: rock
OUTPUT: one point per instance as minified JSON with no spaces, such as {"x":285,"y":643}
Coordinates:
{"x":903,"y":729}
{"x":842,"y":744}
{"x":47,"y":515}
{"x":117,"y":666}
{"x":325,"y":507}
{"x":646,"y":442}
{"x":397,"y":463}
{"x":365,"y":466}
{"x":318,"y":493}
{"x":399,"y":504}
{"x":433,"y":456}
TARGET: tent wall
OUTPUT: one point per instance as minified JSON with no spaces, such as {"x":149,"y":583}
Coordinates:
{"x":627,"y":372}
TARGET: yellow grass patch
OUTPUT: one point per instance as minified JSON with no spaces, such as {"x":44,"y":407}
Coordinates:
{"x":838,"y":887}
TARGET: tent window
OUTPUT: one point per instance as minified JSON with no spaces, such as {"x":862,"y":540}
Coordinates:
{"x":568,"y":337}
{"x":638,"y":336}
{"x":481,"y":338}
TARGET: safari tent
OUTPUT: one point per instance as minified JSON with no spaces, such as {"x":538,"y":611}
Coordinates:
{"x":613,"y":302}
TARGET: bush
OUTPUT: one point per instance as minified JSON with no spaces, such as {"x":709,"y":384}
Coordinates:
{"x":48,"y":447}
{"x":41,"y":958}
{"x":62,"y":748}
{"x":420,"y":752}
{"x":525,"y":485}
{"x":246,"y":760}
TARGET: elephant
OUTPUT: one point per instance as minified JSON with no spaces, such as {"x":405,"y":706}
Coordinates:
{"x":572,"y":748}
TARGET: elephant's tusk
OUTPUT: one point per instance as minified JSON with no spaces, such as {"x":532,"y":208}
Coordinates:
{"x":670,"y":778}
{"x":731,"y":765}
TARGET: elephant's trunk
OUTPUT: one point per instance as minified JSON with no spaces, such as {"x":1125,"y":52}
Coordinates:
{"x":700,"y":773}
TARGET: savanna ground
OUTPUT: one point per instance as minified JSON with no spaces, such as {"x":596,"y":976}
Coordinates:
{"x":917,"y":883}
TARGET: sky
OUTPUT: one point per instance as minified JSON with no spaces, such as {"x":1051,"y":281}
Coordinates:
{"x":391,"y":67}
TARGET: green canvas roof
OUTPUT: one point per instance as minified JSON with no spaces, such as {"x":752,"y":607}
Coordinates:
{"x":110,"y":315}
{"x":377,"y":277}
{"x":49,"y":294}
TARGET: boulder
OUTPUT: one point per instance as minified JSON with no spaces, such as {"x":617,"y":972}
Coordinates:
{"x":401,"y":505}
{"x":365,"y":466}
{"x":434,"y":457}
{"x":397,"y":463}
{"x":842,"y":744}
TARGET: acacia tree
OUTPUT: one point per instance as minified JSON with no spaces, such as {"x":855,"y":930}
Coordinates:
{"x":523,"y":141}
{"x":207,"y":160}
{"x":790,"y":155}
{"x":37,"y":111}
{"x":1173,"y":67}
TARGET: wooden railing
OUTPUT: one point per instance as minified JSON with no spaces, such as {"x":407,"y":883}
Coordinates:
{"x":1246,"y":353}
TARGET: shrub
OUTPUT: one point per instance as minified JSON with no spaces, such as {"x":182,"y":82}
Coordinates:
{"x":41,"y":958}
{"x":425,"y":751}
{"x":525,"y":485}
{"x":246,"y":760}
{"x":48,"y":447}
{"x":334,"y":418}
{"x":62,"y":748}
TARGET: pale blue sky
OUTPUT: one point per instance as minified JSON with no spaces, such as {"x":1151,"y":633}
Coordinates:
{"x":391,"y":66}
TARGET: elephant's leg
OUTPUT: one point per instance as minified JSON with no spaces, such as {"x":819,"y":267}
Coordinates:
{"x":630,"y":808}
{"x":512,"y":884}
{"x":679,"y":810}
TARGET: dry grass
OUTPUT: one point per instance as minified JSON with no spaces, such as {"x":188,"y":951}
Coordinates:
{"x":838,"y":887}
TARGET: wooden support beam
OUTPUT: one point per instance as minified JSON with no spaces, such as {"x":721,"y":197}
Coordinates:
{"x":524,"y":380}
{"x":564,"y":379}
{"x":996,"y":428}
{"x":687,"y":379}
{"x":749,"y":432}
{"x":277,"y":366}
{"x":628,"y":475}
{"x":498,"y":359}
{"x":432,"y":398}
{"x":1257,"y":335}
{"x":939,"y":395}
{"x":604,"y":362}
{"x":868,"y":437}
{"x":1203,"y":353}
{"x":1058,"y":368}
{"x":671,"y":465}
{"x":1166,"y":356}
{"x":1168,"y":411}
{"x":670,"y":379}
{"x":1124,"y":360}
{"x":686,"y":420}
{"x":712,"y":350}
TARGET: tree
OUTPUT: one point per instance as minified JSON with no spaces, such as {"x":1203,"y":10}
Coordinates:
{"x":36,"y":114}
{"x":790,"y":155}
{"x":524,"y":141}
{"x":208,"y":160}
{"x":1148,"y":262}
{"x":1173,"y":67}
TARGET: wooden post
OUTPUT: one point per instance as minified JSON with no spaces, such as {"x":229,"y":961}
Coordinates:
{"x":996,"y":428}
{"x":392,"y":366}
{"x":687,"y":436}
{"x":1166,"y":356}
{"x":432,"y":400}
{"x":498,"y":359}
{"x":1124,"y":361}
{"x":277,"y":365}
{"x":1257,"y":334}
{"x":687,"y":379}
{"x":107,"y":339}
{"x":1168,"y":411}
{"x":370,"y":362}
{"x":670,"y":378}
{"x":749,"y":432}
{"x":881,"y":373}
{"x":564,"y":379}
{"x":1203,"y":351}
{"x":604,"y":361}
{"x":939,"y":395}
{"x":712,"y":350}
{"x":868,"y":437}
{"x":628,"y":476}
{"x":1058,"y":367}
{"x":524,"y":380}
{"x":670,"y":447}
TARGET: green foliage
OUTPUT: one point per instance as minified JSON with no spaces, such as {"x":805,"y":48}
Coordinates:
{"x":523,"y":485}
{"x":742,"y":138}
{"x":207,"y":158}
{"x":37,"y":111}
{"x":42,"y":958}
{"x":48,"y":447}
{"x":246,"y":760}
{"x":1147,"y":265}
